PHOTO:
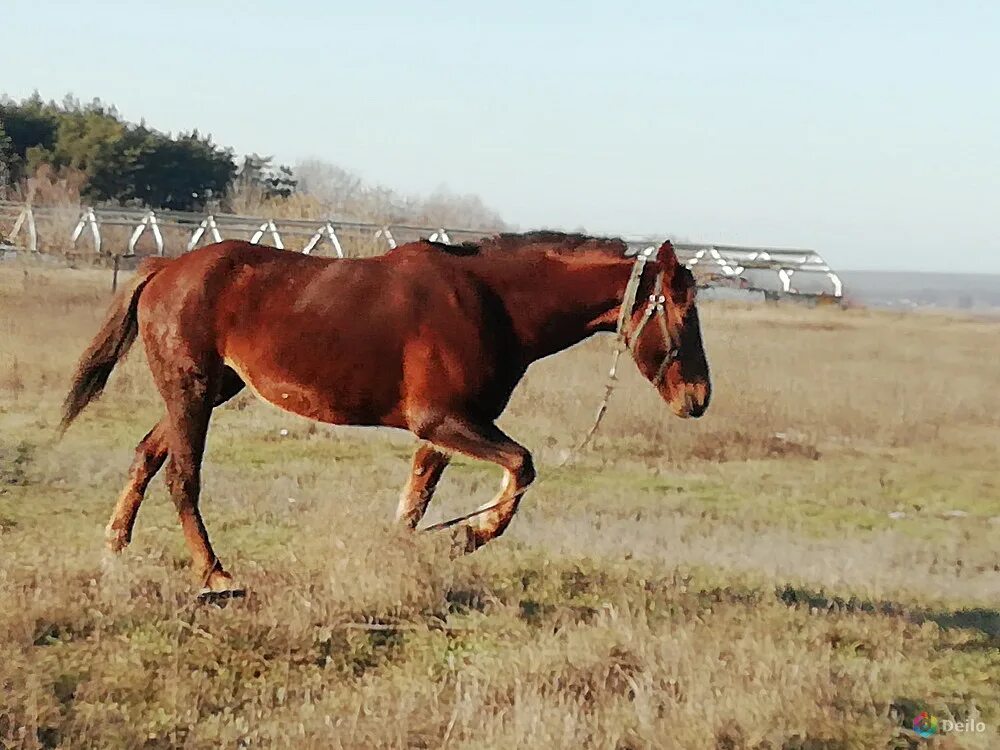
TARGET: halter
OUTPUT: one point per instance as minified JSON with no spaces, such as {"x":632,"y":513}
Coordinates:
{"x":655,"y":307}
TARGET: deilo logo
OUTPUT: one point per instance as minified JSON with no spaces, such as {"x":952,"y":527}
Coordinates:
{"x":927,"y":725}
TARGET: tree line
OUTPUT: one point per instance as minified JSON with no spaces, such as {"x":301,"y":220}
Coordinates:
{"x":52,"y":151}
{"x":126,"y":163}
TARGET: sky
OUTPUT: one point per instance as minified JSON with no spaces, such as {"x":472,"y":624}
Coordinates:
{"x":865,"y":130}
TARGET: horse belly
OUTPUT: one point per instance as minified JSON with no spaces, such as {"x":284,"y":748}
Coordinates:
{"x":323,"y":394}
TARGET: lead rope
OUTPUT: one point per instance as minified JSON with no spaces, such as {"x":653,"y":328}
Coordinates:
{"x":621,"y":344}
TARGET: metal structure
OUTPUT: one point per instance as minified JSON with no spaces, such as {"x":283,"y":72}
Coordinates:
{"x":771,"y":271}
{"x":91,"y":226}
{"x":761,"y":269}
{"x":23,"y":217}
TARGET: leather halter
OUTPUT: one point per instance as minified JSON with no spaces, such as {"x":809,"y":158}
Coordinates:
{"x":655,"y":308}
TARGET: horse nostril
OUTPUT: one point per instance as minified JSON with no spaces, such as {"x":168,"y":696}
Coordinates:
{"x":696,"y":404}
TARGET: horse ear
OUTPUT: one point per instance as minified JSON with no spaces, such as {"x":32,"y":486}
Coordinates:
{"x":666,"y":256}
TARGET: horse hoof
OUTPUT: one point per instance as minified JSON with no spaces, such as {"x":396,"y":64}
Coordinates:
{"x":117,"y":539}
{"x":220,"y":598}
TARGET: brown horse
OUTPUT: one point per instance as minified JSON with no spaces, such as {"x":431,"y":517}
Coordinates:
{"x":428,"y":338}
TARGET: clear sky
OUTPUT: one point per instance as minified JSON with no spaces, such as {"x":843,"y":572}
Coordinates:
{"x":867,"y":130}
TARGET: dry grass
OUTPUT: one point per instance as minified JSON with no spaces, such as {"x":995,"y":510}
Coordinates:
{"x":736,"y":582}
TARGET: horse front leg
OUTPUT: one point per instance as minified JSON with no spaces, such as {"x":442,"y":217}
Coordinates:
{"x":429,"y":464}
{"x":486,"y":442}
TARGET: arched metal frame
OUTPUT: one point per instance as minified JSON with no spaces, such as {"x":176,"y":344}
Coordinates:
{"x":728,"y":265}
{"x":733,"y":263}
{"x":25,"y":220}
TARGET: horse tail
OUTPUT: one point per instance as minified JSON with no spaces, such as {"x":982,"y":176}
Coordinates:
{"x":113,"y":340}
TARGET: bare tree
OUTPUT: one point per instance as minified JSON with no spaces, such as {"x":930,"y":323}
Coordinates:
{"x":347,"y":195}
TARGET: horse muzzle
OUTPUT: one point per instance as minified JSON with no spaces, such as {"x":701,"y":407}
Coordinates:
{"x":692,"y":400}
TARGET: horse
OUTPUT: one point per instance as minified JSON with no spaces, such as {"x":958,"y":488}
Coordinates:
{"x":428,"y":338}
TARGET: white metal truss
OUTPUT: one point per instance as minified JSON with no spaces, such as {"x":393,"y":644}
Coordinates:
{"x":88,"y":219}
{"x":328,"y":231}
{"x":148,"y":222}
{"x":268,"y":226}
{"x":386,"y":234}
{"x":772,"y":270}
{"x":726,"y":264}
{"x":26,"y":220}
{"x":207,"y":225}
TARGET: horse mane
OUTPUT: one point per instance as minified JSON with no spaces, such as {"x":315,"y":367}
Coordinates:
{"x":466,"y":248}
{"x":512,"y":242}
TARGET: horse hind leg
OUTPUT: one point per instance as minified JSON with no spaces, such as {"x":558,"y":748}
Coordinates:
{"x":429,"y":464}
{"x":187,"y":392}
{"x":150,"y":455}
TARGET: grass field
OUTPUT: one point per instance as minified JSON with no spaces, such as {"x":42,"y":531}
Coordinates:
{"x":808,"y":567}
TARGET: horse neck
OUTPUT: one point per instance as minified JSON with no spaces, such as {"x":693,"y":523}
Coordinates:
{"x":556,"y":302}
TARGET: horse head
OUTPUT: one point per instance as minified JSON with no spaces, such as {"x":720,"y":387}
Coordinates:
{"x":663,"y":333}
